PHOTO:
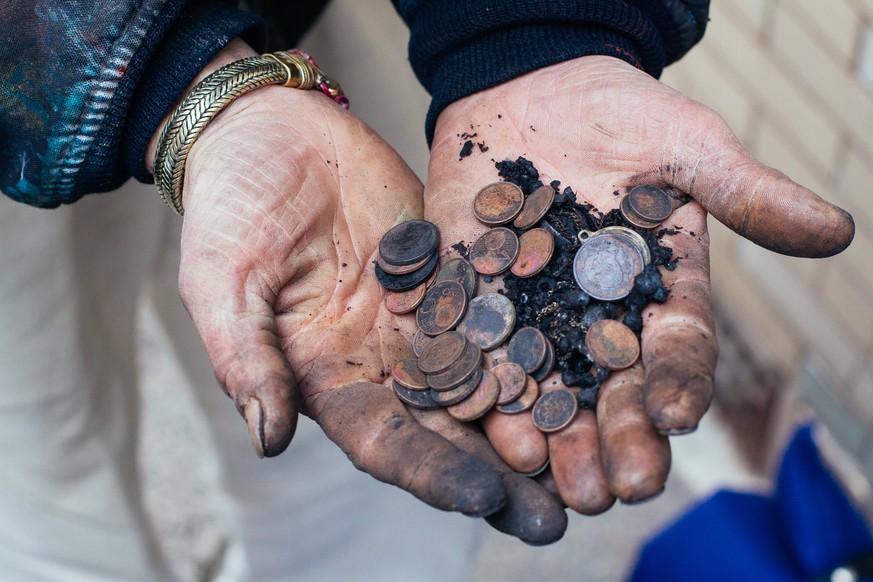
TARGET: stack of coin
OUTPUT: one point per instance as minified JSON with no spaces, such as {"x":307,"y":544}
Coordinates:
{"x":407,"y":260}
{"x":646,"y":206}
{"x":608,"y":261}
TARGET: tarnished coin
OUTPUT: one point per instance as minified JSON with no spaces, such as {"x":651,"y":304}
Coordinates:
{"x":528,"y":348}
{"x":650,"y":203}
{"x":443,"y":307}
{"x":415,"y":398}
{"x":512,"y":379}
{"x":498,"y":203}
{"x":631,"y":216}
{"x":479,"y":402}
{"x":554,"y":410}
{"x":633,"y":237}
{"x":459,"y":372}
{"x":461,"y":271}
{"x":408,"y":281}
{"x":402,"y":269}
{"x":612,"y":344}
{"x":420,"y":341}
{"x":458,"y":393}
{"x":548,"y":364}
{"x":536,"y":472}
{"x":409,"y":242}
{"x":489,"y":320}
{"x":407,"y":374}
{"x":535,"y":248}
{"x":523,"y":402}
{"x":401,"y":302}
{"x":495,"y":251}
{"x":442,"y":352}
{"x":606,"y":264}
{"x":536,"y":205}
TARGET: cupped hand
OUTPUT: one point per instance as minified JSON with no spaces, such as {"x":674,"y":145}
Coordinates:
{"x":600,"y":126}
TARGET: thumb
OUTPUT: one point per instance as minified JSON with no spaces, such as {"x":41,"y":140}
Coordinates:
{"x":755,"y":201}
{"x":238,"y":328}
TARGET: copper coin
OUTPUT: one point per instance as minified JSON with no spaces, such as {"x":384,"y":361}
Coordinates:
{"x":410,"y":280}
{"x":479,"y":402}
{"x":489,"y":320}
{"x":528,"y":348}
{"x":536,"y":205}
{"x":443,"y":307}
{"x":420,"y":341}
{"x":535,"y":248}
{"x":650,"y":203}
{"x":631,"y":217}
{"x":409,"y":242}
{"x":458,"y":393}
{"x":401,"y":302}
{"x":415,"y":398}
{"x":548,"y":364}
{"x":488,"y":361}
{"x":512,"y":379}
{"x":495,"y":251}
{"x":523,"y":402}
{"x":461,"y":271}
{"x":605,"y":266}
{"x":402,"y":269}
{"x":498,"y":203}
{"x":442,"y":352}
{"x":407,"y":374}
{"x":554,"y":410}
{"x":612,"y":344}
{"x":459,"y":372}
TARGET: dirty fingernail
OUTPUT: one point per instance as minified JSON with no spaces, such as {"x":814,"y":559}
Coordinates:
{"x":254,"y":416}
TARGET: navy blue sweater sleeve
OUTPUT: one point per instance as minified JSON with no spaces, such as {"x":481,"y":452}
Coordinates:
{"x":459,"y":47}
{"x":82,"y":85}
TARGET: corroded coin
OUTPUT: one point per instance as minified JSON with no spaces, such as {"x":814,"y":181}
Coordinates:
{"x":512,"y":379}
{"x":606,"y":264}
{"x":554,"y":410}
{"x":415,"y":398}
{"x":631,"y":236}
{"x":479,"y":402}
{"x":458,"y":393}
{"x":631,"y":216}
{"x":402,"y":269}
{"x":494,"y":251}
{"x":498,"y":203}
{"x":407,"y":374}
{"x":489,"y":320}
{"x":612,"y":344}
{"x":443,"y":307}
{"x":442,"y":352}
{"x":409,"y":242}
{"x":535,"y":248}
{"x":523,"y":402}
{"x":459,"y":372}
{"x":528,"y":348}
{"x":420,"y":341}
{"x":650,"y":203}
{"x":401,"y":302}
{"x":536,"y":205}
{"x":461,"y":271}
{"x":548,"y":364}
{"x":408,"y":281}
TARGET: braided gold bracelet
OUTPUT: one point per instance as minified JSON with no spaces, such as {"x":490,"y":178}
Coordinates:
{"x":289,"y":68}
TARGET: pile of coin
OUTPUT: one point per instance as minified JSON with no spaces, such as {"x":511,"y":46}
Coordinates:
{"x":457,"y":327}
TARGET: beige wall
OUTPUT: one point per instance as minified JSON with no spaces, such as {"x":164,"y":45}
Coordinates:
{"x":787,"y":76}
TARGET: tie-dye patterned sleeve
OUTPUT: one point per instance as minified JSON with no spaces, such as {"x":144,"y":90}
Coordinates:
{"x":71,"y":85}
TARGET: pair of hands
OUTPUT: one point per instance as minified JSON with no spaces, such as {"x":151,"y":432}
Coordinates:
{"x":287,"y":196}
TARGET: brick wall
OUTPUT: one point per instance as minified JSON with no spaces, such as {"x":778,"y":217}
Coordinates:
{"x":794,"y":78}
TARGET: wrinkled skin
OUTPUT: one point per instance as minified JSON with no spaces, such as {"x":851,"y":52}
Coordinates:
{"x":599,"y":125}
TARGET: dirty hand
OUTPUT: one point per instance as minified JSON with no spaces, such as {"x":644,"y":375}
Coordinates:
{"x":286,"y":197}
{"x":599,"y":125}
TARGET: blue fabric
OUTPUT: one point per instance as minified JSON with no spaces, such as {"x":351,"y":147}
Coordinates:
{"x":801,"y":532}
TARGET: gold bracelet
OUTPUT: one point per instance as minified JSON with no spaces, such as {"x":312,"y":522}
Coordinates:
{"x":289,"y":68}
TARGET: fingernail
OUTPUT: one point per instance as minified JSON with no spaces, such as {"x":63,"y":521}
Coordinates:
{"x":254,"y":416}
